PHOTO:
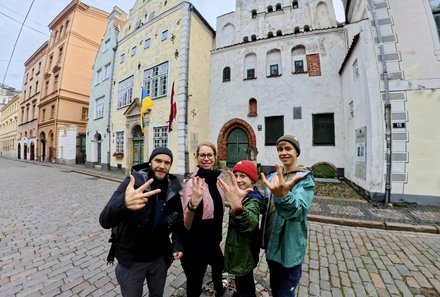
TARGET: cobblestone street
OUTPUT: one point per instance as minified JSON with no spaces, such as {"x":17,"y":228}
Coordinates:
{"x":51,"y":244}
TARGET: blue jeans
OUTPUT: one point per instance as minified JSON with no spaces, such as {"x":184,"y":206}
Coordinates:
{"x":283,"y":281}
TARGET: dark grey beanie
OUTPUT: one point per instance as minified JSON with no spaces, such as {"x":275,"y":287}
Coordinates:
{"x":159,"y":151}
{"x":292,"y":139}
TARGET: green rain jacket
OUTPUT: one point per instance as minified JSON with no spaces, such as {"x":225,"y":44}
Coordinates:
{"x":242,"y":245}
{"x":288,"y":238}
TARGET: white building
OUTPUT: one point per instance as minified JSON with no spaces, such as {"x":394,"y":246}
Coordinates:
{"x":274,"y":72}
{"x":98,"y":136}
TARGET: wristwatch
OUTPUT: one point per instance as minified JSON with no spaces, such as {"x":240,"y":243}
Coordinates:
{"x":237,"y":211}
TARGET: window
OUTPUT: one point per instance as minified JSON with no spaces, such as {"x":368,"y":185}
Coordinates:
{"x":273,"y":129}
{"x":297,"y":113}
{"x":33,"y":110}
{"x":160,"y":137}
{"x":30,"y":91}
{"x":120,"y":141}
{"x":164,"y":35}
{"x":278,"y":6}
{"x":107,"y":71}
{"x":250,"y":74}
{"x":156,"y":80}
{"x":52,"y":111}
{"x":274,"y":70}
{"x":351,"y":106}
{"x":98,"y":76}
{"x":133,"y":50}
{"x":122,"y":59}
{"x":147,"y":43}
{"x":99,"y":108}
{"x":55,"y":82}
{"x":84,"y":113}
{"x":226,"y":74}
{"x":106,"y":45}
{"x":50,"y":61}
{"x":306,"y":28}
{"x":250,"y":64}
{"x":355,"y":69}
{"x":270,"y":34}
{"x":151,"y":16}
{"x":36,"y":87}
{"x":323,"y":129}
{"x":295,"y":4}
{"x":299,"y":66}
{"x":269,"y":8}
{"x":60,"y":53}
{"x":435,"y":7}
{"x":254,"y":37}
{"x":46,"y":88}
{"x":254,"y":13}
{"x":125,"y":92}
{"x":279,"y":33}
{"x":252,"y":108}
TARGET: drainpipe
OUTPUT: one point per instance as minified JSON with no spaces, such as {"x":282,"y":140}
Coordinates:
{"x":387,"y":111}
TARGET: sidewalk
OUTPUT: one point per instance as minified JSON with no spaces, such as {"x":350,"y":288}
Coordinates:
{"x":349,"y":212}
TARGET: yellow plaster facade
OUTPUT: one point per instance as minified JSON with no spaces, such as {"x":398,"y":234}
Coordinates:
{"x":8,"y":128}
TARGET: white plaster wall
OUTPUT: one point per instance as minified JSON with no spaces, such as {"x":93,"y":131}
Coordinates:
{"x":67,"y":144}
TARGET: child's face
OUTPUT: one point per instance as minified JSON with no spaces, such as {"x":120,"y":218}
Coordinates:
{"x":243,"y":181}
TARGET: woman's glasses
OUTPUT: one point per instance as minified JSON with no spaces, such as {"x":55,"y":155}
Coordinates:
{"x":203,"y":156}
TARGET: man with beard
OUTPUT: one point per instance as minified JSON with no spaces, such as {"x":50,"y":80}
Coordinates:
{"x":142,"y":213}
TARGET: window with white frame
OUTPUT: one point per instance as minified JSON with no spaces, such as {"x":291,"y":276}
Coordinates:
{"x":435,"y":7}
{"x":98,"y":76}
{"x":156,"y":80}
{"x":106,"y":45}
{"x":147,"y":43}
{"x":120,"y":141}
{"x":125,"y":92}
{"x":298,"y":56}
{"x":160,"y":136}
{"x":164,"y":35}
{"x":99,"y":108}
{"x":107,"y":71}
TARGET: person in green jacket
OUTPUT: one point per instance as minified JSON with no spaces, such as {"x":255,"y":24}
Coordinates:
{"x":242,"y":244}
{"x":292,"y":191}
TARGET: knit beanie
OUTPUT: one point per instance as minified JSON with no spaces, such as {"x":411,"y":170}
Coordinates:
{"x":292,"y":139}
{"x":159,"y":151}
{"x":248,"y":168}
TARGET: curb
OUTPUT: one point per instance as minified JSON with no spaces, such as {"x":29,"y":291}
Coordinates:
{"x":375,"y":224}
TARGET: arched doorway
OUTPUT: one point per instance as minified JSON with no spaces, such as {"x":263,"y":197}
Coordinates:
{"x":97,"y":146}
{"x":43,"y":146}
{"x":51,"y":148}
{"x":138,"y":145}
{"x":19,"y":151}
{"x":25,"y":151}
{"x":237,"y":147}
{"x":32,"y":151}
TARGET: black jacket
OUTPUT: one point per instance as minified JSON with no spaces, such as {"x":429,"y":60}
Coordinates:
{"x":143,"y":235}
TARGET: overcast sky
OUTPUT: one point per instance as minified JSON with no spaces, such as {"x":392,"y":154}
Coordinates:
{"x":36,"y":32}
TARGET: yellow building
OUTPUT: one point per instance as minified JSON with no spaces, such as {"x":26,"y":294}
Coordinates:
{"x":8,"y":128}
{"x":161,"y":45}
{"x":28,"y":115}
{"x":76,"y":34}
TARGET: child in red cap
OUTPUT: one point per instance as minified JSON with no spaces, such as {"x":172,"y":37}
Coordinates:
{"x":242,"y":245}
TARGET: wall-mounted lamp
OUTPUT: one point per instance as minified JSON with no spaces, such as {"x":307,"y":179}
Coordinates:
{"x":176,"y":54}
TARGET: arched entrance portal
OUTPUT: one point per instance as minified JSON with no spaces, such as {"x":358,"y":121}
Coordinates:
{"x":237,"y":147}
{"x":25,"y":151}
{"x":43,"y":146}
{"x":138,"y":145}
{"x":97,"y":146}
{"x":235,"y":142}
{"x":32,"y":151}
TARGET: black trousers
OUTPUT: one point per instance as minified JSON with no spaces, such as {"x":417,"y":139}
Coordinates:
{"x":245,"y":285}
{"x":195,"y":262}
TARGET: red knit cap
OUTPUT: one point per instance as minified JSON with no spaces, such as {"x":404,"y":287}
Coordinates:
{"x":248,"y":168}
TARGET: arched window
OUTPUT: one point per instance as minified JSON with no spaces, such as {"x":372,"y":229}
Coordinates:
{"x":273,"y":63}
{"x":270,"y":34}
{"x":227,"y":36}
{"x":295,"y":4}
{"x":254,"y":13}
{"x":279,"y":33}
{"x":245,"y":39}
{"x":297,"y":30}
{"x":253,"y":112}
{"x":278,"y":6}
{"x":250,"y":66}
{"x":299,"y":64}
{"x":254,"y":37}
{"x":306,"y":28}
{"x":270,"y":8}
{"x":227,"y":74}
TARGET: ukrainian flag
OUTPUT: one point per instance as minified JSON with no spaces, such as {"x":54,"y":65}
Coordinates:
{"x":146,"y":104}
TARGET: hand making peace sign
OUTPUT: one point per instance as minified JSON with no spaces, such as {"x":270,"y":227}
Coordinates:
{"x":136,"y":199}
{"x":278,"y":186}
{"x":233,"y":193}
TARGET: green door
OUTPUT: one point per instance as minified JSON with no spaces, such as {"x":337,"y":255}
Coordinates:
{"x":237,"y":147}
{"x":138,"y":146}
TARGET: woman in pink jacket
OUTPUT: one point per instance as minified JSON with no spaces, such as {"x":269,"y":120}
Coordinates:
{"x":203,"y":204}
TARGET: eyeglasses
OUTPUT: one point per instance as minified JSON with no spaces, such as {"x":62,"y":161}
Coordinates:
{"x":203,"y":156}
